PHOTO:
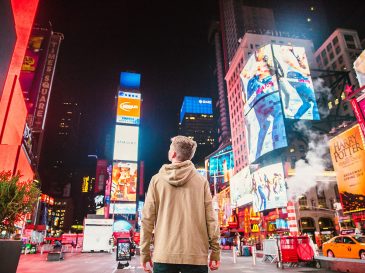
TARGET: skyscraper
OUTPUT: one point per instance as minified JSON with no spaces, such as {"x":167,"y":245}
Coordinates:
{"x":196,"y":122}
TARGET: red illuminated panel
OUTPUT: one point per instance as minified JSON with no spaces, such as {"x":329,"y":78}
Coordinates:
{"x":24,"y":12}
{"x":24,"y":167}
{"x":7,"y":157}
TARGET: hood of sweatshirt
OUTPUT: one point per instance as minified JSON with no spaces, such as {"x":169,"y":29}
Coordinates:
{"x":177,"y":174}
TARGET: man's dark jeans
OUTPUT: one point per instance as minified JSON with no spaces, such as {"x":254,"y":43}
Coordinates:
{"x":176,"y":268}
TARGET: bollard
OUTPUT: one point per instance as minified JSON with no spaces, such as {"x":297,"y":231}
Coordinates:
{"x":234,"y":254}
{"x":253,"y":255}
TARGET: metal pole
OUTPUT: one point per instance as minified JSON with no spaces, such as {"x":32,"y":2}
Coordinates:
{"x":254,"y":255}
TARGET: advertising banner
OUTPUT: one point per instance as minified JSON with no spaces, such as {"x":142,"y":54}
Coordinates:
{"x":123,"y":208}
{"x":241,"y":191}
{"x":85,"y":184}
{"x":265,"y":129}
{"x":101,"y":175}
{"x":348,"y":158}
{"x":359,"y":66}
{"x":268,"y":188}
{"x":220,"y":167}
{"x":29,"y":68}
{"x":129,"y":108}
{"x":126,"y":143}
{"x":124,"y":181}
{"x":46,"y":83}
{"x":296,"y":86}
{"x":358,"y":108}
{"x":258,"y":76}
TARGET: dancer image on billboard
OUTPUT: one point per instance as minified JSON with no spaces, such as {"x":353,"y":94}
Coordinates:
{"x":259,"y":84}
{"x":295,"y":83}
{"x":268,"y":188}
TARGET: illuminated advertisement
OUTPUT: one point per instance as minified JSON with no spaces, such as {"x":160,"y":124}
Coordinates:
{"x":220,"y":167}
{"x":124,"y":181}
{"x":359,"y":66}
{"x":28,"y":73}
{"x":265,"y":129}
{"x":101,"y":175}
{"x":196,"y":105}
{"x":126,"y":143}
{"x":258,"y":76}
{"x":129,"y":108}
{"x":240,"y":188}
{"x":296,"y":86}
{"x":99,"y":201}
{"x":85,"y":184}
{"x":130,"y":80}
{"x":348,"y":158}
{"x":269,"y":188}
{"x":122,"y":208}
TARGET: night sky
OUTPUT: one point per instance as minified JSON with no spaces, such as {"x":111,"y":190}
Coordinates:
{"x":165,"y":41}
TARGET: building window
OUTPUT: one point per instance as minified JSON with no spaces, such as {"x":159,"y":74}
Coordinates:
{"x":321,"y":199}
{"x":335,"y":41}
{"x":332,"y":56}
{"x":345,"y":107}
{"x":338,"y":50}
{"x":324,"y":53}
{"x":334,"y":66}
{"x":329,"y":47}
{"x":350,"y":45}
{"x":349,"y":38}
{"x":303,"y":202}
{"x":325,"y":61}
{"x":330,"y":105}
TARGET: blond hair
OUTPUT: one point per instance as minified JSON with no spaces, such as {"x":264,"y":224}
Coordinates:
{"x":184,"y":147}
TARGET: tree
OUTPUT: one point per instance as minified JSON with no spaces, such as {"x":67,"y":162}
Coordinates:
{"x":17,"y":198}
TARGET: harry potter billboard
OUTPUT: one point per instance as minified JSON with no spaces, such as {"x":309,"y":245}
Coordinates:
{"x":348,"y":158}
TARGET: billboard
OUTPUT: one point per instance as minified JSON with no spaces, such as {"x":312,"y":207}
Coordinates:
{"x":126,"y":143}
{"x":348,"y":158}
{"x":124,"y":181}
{"x":296,"y":86}
{"x":241,"y":191}
{"x":101,"y":175}
{"x":269,"y":188}
{"x":265,"y":128}
{"x":258,"y":76}
{"x":130,"y":80}
{"x":220,"y":167}
{"x":41,"y":106}
{"x":359,"y":66}
{"x":129,"y":108}
{"x":122,"y":208}
{"x":196,"y":105}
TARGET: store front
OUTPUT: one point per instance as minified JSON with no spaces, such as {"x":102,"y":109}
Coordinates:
{"x":307,"y":226}
{"x":326,"y":229}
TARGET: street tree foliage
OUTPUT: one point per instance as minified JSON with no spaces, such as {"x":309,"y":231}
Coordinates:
{"x":17,"y":198}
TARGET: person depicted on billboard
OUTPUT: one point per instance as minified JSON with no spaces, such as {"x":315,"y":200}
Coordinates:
{"x":294,"y":72}
{"x":178,"y":207}
{"x":267,"y":111}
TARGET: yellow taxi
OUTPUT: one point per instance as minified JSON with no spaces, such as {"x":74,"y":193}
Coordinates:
{"x":345,"y":246}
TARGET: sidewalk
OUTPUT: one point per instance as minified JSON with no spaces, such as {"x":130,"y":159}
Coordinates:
{"x":105,"y":263}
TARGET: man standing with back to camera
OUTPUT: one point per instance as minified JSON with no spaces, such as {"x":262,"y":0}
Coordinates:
{"x":178,"y":207}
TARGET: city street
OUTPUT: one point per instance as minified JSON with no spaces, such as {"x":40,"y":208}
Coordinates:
{"x":105,"y":263}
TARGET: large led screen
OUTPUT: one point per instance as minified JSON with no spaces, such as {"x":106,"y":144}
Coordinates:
{"x":269,"y":188}
{"x":348,"y":158}
{"x":126,"y":143}
{"x":124,"y":181}
{"x":240,"y":188}
{"x":220,"y":167}
{"x":122,"y":208}
{"x":129,"y":108}
{"x":258,"y":76}
{"x":296,"y":86}
{"x":265,"y":129}
{"x":196,"y":105}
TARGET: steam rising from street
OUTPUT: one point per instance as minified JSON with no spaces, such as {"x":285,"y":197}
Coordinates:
{"x":307,"y":171}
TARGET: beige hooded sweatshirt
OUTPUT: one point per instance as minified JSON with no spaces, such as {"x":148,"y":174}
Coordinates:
{"x":179,"y":209}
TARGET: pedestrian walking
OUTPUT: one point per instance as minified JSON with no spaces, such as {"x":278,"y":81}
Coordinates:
{"x":178,"y":207}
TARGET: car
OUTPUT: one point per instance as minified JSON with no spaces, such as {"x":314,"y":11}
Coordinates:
{"x":345,"y":246}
